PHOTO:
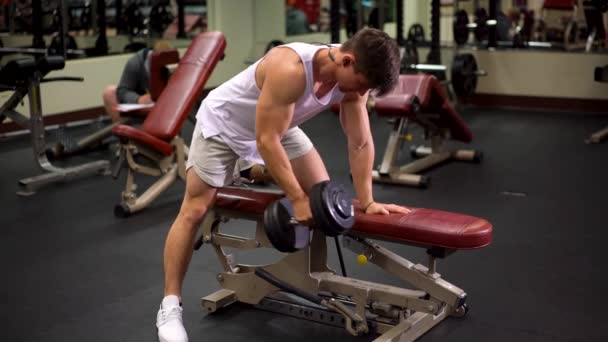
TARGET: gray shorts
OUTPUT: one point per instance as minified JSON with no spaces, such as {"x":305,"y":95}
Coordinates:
{"x":216,"y":163}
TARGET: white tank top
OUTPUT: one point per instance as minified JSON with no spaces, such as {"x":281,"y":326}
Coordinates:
{"x":229,"y":110}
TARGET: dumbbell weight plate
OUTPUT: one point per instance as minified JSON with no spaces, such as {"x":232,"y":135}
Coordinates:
{"x":415,"y":35}
{"x":283,"y":235}
{"x":464,"y":74}
{"x":332,"y":208}
{"x":460,"y":28}
{"x":482,"y":30}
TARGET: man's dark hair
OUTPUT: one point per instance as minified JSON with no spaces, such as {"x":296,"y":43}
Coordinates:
{"x":377,"y":58}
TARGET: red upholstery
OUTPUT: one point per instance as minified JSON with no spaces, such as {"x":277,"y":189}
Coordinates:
{"x":181,"y":93}
{"x":425,"y":227}
{"x":144,"y":138}
{"x":398,"y":105}
{"x":433,"y":100}
{"x":559,"y":4}
{"x":185,"y":86}
{"x":158,"y":79}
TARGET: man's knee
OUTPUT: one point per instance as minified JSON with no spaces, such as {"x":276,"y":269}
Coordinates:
{"x":192,"y":215}
{"x":198,"y":199}
{"x":109,"y":93}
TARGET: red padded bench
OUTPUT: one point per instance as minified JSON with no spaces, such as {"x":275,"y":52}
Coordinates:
{"x":422,"y":301}
{"x":426,"y":227}
{"x":158,"y":139}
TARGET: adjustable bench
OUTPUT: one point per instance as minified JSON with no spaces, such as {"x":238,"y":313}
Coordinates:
{"x":23,"y":76}
{"x":361,"y":307}
{"x":420,"y":99}
{"x":157,"y":140}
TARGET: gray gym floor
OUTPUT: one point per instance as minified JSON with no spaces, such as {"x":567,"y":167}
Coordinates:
{"x":74,"y":272}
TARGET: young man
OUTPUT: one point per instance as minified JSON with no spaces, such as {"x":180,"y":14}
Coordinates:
{"x":254,"y":116}
{"x":134,"y":83}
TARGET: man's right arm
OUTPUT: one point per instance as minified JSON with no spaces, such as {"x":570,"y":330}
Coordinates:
{"x":283,"y":84}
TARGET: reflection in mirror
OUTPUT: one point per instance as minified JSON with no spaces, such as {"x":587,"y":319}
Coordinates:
{"x":97,"y":27}
{"x":553,"y":25}
{"x":311,"y":16}
{"x":303,"y":16}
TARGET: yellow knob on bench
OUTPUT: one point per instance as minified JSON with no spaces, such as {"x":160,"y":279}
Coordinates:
{"x":407,"y":136}
{"x":361,"y":259}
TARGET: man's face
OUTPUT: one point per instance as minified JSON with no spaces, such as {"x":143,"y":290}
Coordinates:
{"x":349,"y":80}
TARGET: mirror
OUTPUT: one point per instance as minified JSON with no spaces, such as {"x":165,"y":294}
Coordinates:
{"x":129,"y":24}
{"x":312,"y":16}
{"x":551,"y":25}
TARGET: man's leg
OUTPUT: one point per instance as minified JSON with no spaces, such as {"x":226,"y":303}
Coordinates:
{"x":110,"y":101}
{"x":178,"y":248}
{"x":210,"y":165}
{"x":178,"y":251}
{"x":306,"y":162}
{"x":309,"y":169}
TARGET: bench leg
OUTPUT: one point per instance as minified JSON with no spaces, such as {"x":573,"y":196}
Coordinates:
{"x":28,"y":186}
{"x":393,"y":146}
{"x":152,"y":193}
{"x":217,"y":300}
{"x":425,"y":163}
{"x":400,"y":179}
{"x":393,"y":313}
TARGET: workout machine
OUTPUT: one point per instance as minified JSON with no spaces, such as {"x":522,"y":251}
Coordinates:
{"x":23,"y":76}
{"x":302,"y":285}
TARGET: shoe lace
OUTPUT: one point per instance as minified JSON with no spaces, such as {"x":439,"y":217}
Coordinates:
{"x":173,"y":312}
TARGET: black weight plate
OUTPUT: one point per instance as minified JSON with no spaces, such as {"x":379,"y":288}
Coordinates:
{"x":459,"y":27}
{"x":276,"y":224}
{"x":160,"y":17}
{"x":482,"y":30}
{"x":464,"y":78}
{"x":332,"y":208}
{"x":415,"y":35}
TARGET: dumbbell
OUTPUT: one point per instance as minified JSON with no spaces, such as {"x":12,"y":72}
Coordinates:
{"x":463,"y":74}
{"x":332,"y":212}
{"x":462,"y":27}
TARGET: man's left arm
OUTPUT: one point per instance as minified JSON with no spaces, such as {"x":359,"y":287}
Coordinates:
{"x":355,"y":123}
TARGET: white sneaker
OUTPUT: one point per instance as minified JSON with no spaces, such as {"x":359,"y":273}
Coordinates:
{"x":169,"y":321}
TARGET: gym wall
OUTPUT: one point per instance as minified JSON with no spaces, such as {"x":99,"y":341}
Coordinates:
{"x":250,"y":24}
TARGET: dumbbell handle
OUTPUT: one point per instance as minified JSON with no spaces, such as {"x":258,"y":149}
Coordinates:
{"x":429,"y":67}
{"x":489,"y":22}
{"x":294,"y":222}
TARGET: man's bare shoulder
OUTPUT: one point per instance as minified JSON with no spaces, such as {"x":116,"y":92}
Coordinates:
{"x":283,"y":70}
{"x":283,"y":61}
